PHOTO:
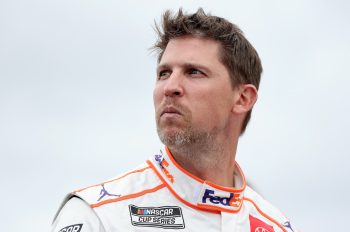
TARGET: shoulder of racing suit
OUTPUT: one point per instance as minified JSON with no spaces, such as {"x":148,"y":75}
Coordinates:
{"x":134,"y":183}
{"x":257,"y":205}
{"x":118,"y":193}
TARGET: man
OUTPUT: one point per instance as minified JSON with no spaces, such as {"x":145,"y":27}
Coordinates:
{"x":207,"y":80}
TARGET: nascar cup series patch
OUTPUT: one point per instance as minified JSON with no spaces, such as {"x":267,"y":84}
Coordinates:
{"x":167,"y":217}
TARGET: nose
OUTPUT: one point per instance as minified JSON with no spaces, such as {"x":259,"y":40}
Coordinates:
{"x":174,"y":85}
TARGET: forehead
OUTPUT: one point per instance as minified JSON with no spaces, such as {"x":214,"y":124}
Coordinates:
{"x":191,"y":49}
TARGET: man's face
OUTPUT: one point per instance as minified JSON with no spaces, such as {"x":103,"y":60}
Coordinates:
{"x":193,"y":95}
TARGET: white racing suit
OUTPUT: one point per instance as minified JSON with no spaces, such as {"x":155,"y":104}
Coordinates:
{"x":160,"y":195}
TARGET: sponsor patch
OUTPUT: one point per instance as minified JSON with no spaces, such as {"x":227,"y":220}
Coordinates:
{"x":257,"y":225}
{"x":210,"y":195}
{"x":166,"y":217}
{"x":219,"y":198}
{"x":72,"y":228}
{"x":163,"y":165}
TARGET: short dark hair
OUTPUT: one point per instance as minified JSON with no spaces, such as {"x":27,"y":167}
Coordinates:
{"x":237,"y":54}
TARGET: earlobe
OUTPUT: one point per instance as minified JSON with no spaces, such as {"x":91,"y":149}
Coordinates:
{"x":245,"y":99}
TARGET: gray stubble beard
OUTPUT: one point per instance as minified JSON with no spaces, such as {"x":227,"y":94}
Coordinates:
{"x":189,"y":140}
{"x":193,"y":146}
{"x":180,"y":138}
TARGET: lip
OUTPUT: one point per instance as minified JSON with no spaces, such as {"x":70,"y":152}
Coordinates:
{"x":170,"y":110}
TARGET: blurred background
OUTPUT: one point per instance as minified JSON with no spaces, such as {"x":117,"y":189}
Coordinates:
{"x":76,"y":108}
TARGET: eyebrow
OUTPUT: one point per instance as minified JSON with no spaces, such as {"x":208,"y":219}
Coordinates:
{"x":162,"y":66}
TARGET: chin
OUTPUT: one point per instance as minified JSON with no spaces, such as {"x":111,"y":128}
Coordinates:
{"x":172,"y":136}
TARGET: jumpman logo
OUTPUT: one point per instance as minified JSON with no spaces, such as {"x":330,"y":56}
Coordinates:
{"x":104,"y":193}
{"x":288,"y":225}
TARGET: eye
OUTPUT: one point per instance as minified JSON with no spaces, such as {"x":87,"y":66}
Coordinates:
{"x":196,"y":73}
{"x":163,"y":74}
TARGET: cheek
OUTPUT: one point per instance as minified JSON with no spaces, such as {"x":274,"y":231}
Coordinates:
{"x":156,"y":96}
{"x":215,"y":106}
{"x":206,"y":108}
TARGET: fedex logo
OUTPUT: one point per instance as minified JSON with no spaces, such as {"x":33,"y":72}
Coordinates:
{"x":164,"y":164}
{"x":232,"y":200}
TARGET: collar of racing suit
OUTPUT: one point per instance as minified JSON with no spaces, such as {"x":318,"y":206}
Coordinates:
{"x":195,"y":192}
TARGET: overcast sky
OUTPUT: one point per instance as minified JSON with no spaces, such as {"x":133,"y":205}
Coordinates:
{"x":76,"y":108}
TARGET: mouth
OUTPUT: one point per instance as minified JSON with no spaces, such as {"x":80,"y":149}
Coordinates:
{"x":170,"y":110}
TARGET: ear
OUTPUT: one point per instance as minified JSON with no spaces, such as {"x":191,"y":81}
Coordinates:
{"x":246,"y":97}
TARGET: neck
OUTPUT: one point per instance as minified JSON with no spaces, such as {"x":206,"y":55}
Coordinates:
{"x":212,"y":161}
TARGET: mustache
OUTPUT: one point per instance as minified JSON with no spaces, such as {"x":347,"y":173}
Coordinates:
{"x":169,"y":105}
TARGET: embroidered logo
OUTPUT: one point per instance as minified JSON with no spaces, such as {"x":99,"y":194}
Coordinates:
{"x":232,"y":200}
{"x":72,"y":228}
{"x":163,"y":165}
{"x":288,"y":225}
{"x":166,"y":217}
{"x":104,"y":193}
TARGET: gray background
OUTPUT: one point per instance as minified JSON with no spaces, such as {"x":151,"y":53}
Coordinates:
{"x":76,"y":82}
